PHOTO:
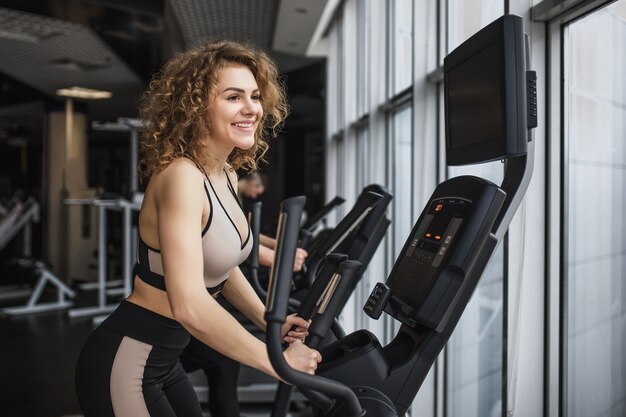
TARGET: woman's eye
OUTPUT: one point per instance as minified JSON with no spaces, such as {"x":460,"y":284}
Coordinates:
{"x":256,"y":98}
{"x":233,"y":97}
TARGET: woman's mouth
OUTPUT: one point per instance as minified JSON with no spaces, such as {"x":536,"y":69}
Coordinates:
{"x":243,"y":125}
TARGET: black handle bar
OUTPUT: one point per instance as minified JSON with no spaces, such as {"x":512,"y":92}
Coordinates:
{"x":330,"y":299}
{"x":325,"y":273}
{"x":255,"y":228}
{"x":360,"y":210}
{"x":276,"y":311}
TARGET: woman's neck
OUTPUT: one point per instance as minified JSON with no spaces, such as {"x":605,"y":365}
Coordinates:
{"x":217,"y":159}
{"x":215,"y":167}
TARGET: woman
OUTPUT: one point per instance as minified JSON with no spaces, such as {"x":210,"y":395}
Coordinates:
{"x":206,"y":114}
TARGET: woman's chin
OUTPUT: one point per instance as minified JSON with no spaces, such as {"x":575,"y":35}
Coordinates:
{"x":245,"y":145}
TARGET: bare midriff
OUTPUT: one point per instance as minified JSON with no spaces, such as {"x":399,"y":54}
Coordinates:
{"x":152,"y":298}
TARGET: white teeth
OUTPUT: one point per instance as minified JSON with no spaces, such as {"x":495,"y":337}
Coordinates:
{"x":244,"y":125}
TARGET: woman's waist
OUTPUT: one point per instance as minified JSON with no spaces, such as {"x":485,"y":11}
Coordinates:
{"x":148,"y":325}
{"x":151,"y":298}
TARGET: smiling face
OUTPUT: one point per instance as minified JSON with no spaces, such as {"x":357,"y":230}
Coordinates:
{"x":236,"y":109}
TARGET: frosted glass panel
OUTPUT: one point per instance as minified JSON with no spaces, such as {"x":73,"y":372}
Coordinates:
{"x":474,"y":369}
{"x":596,"y":202}
{"x":362,"y":159}
{"x":402,"y":62}
{"x":402,"y":173}
{"x":466,"y":17}
{"x":475,"y":348}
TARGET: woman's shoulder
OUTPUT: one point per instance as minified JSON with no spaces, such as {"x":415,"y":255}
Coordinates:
{"x":176,"y":190}
{"x":181,"y":172}
{"x":181,"y":167}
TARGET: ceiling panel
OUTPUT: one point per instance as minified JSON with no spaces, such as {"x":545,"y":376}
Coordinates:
{"x":116,"y":45}
{"x":48,"y":54}
{"x":251,"y":21}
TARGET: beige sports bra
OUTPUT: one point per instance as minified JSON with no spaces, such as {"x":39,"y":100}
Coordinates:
{"x":222,"y":247}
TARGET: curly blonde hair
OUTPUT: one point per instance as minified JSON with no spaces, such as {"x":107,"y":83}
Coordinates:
{"x":174,"y":107}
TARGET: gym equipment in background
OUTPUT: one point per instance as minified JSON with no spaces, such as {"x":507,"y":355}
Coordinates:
{"x":18,"y":217}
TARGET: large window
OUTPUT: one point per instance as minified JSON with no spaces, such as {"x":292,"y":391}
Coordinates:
{"x":402,"y":174}
{"x":362,"y":152}
{"x":466,"y":17}
{"x":475,"y":348}
{"x":334,"y":88}
{"x":401,"y":61}
{"x":474,"y":352}
{"x":595,"y":201}
{"x":362,"y":57}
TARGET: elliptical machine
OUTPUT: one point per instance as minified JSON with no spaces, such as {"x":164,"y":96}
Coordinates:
{"x":490,"y":111}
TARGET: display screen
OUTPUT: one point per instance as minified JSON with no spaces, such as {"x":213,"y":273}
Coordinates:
{"x":416,"y":267}
{"x":476,"y":98}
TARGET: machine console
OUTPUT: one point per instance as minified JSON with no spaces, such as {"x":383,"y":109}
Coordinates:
{"x":431,"y":268}
{"x":430,"y":242}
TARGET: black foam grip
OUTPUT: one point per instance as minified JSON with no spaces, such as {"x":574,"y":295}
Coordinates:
{"x":326,"y":272}
{"x":286,"y":244}
{"x":255,"y":229}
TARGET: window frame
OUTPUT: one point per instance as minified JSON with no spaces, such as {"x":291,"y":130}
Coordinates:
{"x":557,"y":20}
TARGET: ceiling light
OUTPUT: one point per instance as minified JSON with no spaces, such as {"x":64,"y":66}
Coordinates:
{"x":68,"y":64}
{"x":16,"y":36}
{"x":84,"y":93}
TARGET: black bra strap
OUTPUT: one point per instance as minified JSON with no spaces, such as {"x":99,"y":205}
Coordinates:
{"x":217,"y":288}
{"x":155,"y":280}
{"x":232,"y":190}
{"x":230,"y":184}
{"x":149,"y":277}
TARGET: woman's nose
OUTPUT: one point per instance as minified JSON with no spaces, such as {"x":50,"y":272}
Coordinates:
{"x":250,"y":107}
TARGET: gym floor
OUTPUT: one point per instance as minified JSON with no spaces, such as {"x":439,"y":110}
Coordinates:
{"x":37,"y":358}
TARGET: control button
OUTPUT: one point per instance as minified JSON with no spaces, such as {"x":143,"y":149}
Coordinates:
{"x":377,"y":301}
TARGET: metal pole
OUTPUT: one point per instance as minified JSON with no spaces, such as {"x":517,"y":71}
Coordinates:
{"x":133,"y":160}
{"x":102,"y":258}
{"x":127,"y":247}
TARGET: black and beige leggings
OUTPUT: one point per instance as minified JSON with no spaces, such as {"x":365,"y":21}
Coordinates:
{"x":129,"y":367}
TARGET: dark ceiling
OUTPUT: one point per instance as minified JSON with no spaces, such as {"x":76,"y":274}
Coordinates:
{"x":114,"y":45}
{"x":73,"y":41}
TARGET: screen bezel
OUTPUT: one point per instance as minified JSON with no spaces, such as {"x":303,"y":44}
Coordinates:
{"x":509,"y":31}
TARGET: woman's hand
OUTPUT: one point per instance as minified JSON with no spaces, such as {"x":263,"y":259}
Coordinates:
{"x":302,"y":358}
{"x":299,"y":259}
{"x":298,"y":333}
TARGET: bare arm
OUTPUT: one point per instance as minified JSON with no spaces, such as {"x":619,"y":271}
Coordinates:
{"x":238,"y":291}
{"x":266,"y":255}
{"x":267,"y":241}
{"x":241,"y":295}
